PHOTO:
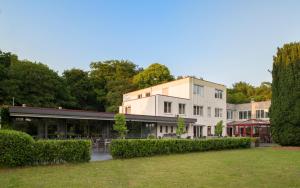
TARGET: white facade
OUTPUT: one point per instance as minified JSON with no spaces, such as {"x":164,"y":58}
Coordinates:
{"x":246,"y":111}
{"x":188,"y":97}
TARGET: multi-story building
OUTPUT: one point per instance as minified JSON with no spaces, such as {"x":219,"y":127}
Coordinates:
{"x":249,"y":119}
{"x":188,"y":97}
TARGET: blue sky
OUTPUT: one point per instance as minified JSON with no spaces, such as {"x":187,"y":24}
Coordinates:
{"x":221,"y":41}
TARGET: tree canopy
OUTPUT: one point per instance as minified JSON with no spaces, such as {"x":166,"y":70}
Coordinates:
{"x":242,"y":92}
{"x":153,"y":75}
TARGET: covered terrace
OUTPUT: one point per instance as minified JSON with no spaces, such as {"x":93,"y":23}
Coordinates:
{"x":250,"y":128}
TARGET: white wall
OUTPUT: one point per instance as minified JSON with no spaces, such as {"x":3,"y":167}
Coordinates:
{"x":180,"y":91}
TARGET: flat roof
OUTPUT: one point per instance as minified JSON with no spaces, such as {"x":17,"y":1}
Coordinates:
{"x":35,"y":112}
{"x":186,"y":77}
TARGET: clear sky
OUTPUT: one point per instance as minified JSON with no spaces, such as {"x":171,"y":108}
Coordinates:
{"x":221,"y":41}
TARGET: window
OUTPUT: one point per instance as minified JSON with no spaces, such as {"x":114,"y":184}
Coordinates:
{"x":198,"y":110}
{"x":181,"y":108}
{"x":218,"y":112}
{"x":160,"y":129}
{"x":148,"y":94}
{"x":198,"y":90}
{"x":167,"y":107}
{"x":245,"y":114}
{"x":128,"y":110}
{"x":218,"y":94}
{"x":139,"y":96}
{"x":229,"y":114}
{"x":266,"y":114}
{"x":167,"y":129}
{"x":208,"y":130}
{"x":209,"y":111}
{"x":172,"y":129}
{"x":261,"y":114}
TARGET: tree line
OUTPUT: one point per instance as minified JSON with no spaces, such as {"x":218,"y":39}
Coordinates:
{"x":101,"y":88}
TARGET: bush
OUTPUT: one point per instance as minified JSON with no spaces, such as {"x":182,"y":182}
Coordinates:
{"x":129,"y":148}
{"x":15,"y":148}
{"x":19,"y":149}
{"x":61,"y":151}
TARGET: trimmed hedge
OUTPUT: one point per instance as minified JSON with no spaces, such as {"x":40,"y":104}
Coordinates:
{"x":19,"y":149}
{"x":60,"y":151}
{"x":15,"y":148}
{"x":129,"y":148}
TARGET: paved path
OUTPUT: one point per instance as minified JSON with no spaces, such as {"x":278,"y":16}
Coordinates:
{"x":100,"y":156}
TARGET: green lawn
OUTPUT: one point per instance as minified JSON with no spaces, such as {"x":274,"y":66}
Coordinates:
{"x":261,"y":167}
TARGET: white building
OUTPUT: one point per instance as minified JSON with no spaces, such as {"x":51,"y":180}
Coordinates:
{"x":187,"y":97}
{"x":249,"y":119}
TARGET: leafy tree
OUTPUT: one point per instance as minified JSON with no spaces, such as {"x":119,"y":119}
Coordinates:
{"x":120,"y":125}
{"x":285,"y":105}
{"x":81,"y":89}
{"x":153,"y":75}
{"x":36,"y":85}
{"x":111,"y":79}
{"x":219,"y":128}
{"x":180,"y":127}
{"x":6,"y":59}
{"x":242,"y":92}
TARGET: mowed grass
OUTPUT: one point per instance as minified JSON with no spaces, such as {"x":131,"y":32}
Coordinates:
{"x":261,"y":167}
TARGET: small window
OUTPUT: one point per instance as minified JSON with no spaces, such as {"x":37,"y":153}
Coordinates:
{"x":167,"y":129}
{"x":181,"y":108}
{"x":218,"y":94}
{"x":198,"y":110}
{"x":167,"y":107}
{"x":128,"y":110}
{"x":218,"y":112}
{"x":209,"y":111}
{"x":198,"y":90}
{"x":148,"y":94}
{"x":140,"y":96}
{"x":160,"y":129}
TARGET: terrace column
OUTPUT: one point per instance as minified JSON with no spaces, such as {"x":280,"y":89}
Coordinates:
{"x":251,"y":131}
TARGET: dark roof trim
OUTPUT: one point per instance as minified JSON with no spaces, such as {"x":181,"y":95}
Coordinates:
{"x":17,"y":111}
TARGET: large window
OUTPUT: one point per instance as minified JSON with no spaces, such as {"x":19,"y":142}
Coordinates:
{"x":198,"y":90}
{"x":167,"y":107}
{"x":262,"y":114}
{"x":198,"y":110}
{"x":229,"y":114}
{"x":218,"y":94}
{"x":181,"y":108}
{"x":245,"y":114}
{"x":218,"y":112}
{"x":209,"y":111}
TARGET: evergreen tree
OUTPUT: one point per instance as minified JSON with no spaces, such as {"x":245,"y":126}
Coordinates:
{"x":285,"y":107}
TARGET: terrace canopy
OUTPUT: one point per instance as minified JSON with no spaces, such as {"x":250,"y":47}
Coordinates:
{"x":251,"y":128}
{"x":52,"y":123}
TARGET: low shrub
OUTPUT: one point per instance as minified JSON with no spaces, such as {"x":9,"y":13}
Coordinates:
{"x":129,"y":148}
{"x":61,"y":151}
{"x":15,"y":148}
{"x":19,"y":149}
